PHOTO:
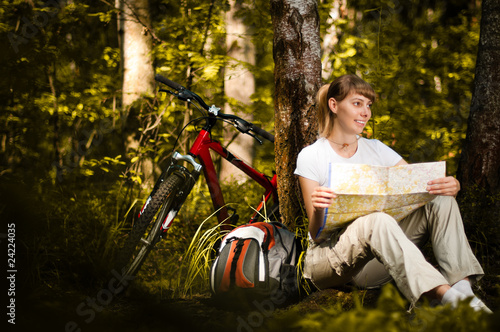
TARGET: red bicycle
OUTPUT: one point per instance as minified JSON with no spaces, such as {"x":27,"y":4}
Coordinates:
{"x":177,"y":180}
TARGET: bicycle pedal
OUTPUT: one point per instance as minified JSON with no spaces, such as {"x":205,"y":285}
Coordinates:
{"x":234,"y":217}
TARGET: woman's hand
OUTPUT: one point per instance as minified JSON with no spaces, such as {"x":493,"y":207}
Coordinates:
{"x":448,"y":186}
{"x":322,"y":197}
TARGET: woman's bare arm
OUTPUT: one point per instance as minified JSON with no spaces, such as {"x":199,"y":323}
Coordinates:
{"x":316,"y":199}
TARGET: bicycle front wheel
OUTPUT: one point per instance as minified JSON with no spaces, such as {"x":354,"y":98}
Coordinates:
{"x":147,"y":229}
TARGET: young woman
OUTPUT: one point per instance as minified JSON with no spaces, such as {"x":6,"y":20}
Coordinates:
{"x":375,"y":249}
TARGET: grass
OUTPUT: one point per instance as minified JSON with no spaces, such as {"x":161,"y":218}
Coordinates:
{"x":387,"y":314}
{"x":197,"y":261}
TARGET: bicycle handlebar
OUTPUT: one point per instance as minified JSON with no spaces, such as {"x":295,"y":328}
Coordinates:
{"x":261,"y":132}
{"x":166,"y":81}
{"x":240,"y":124}
{"x":184,"y":94}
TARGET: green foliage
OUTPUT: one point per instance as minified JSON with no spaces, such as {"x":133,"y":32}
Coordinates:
{"x":70,"y":238}
{"x":389,"y":314}
{"x":420,"y":60}
{"x":60,"y":91}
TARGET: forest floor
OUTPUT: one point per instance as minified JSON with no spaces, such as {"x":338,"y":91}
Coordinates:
{"x":48,"y":309}
{"x":75,"y":311}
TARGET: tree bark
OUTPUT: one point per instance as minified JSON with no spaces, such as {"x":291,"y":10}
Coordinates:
{"x":479,"y":167}
{"x":136,"y":46}
{"x":297,"y":78}
{"x":480,"y":160}
{"x":239,"y":83}
{"x":138,"y":75}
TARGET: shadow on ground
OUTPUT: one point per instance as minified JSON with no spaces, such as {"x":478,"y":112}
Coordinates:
{"x":76,"y":312}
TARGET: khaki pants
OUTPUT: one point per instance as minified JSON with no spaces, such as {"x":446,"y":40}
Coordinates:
{"x":375,"y":249}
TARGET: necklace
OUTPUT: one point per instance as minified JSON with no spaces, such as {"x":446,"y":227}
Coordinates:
{"x":344,"y":145}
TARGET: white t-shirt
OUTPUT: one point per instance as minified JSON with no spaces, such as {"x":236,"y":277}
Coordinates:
{"x":314,"y":160}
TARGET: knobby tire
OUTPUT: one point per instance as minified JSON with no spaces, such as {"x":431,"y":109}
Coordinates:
{"x":135,"y":249}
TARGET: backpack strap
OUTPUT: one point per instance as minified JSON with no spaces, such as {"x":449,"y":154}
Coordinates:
{"x":233,"y":272}
{"x":234,"y":264}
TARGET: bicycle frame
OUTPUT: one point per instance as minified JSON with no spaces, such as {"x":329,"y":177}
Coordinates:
{"x":201,"y":149}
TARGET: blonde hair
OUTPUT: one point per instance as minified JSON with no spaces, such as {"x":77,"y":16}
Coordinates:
{"x":339,"y":89}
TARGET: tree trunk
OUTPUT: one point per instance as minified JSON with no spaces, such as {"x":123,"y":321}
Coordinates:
{"x":240,"y":85}
{"x":297,"y":78}
{"x":479,"y":168}
{"x":136,"y":46}
{"x":138,"y":74}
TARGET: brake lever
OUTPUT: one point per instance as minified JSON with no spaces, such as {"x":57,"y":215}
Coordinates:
{"x":168,"y":91}
{"x":185,"y":95}
{"x":181,"y":96}
{"x":258,"y":139}
{"x":177,"y":95}
{"x":242,"y":127}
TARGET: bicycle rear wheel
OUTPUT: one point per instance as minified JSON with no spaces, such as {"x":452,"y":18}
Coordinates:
{"x":145,"y":234}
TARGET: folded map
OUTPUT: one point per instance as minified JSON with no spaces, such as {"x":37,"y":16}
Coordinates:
{"x":364,"y":189}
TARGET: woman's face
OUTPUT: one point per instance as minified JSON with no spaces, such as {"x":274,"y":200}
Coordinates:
{"x":353,"y":113}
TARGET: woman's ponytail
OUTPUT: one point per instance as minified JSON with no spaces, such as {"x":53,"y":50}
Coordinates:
{"x":325,"y":116}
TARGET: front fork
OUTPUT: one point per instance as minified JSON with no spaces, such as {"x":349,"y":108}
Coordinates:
{"x":166,"y":214}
